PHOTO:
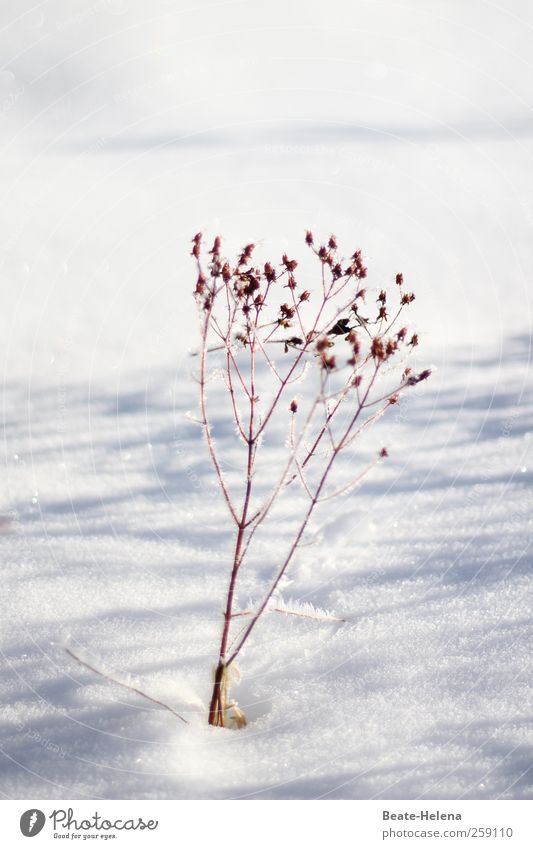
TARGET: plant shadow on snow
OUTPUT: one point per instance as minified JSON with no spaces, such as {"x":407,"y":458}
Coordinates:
{"x":71,"y":727}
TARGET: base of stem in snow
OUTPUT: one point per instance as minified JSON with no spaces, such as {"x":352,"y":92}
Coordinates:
{"x":222,"y":712}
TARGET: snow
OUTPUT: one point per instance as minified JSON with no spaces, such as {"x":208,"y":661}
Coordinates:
{"x":408,"y":134}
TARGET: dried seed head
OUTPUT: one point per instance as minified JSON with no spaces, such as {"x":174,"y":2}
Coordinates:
{"x":309,"y":238}
{"x":399,"y":279}
{"x":293,"y":407}
{"x":383,"y":453}
{"x":376,"y":349}
{"x":391,"y":347}
{"x":200,"y":285}
{"x":408,"y":298}
{"x":215,"y":250}
{"x":323,"y":344}
{"x":382,"y":296}
{"x":286,"y":311}
{"x":357,"y":381}
{"x":353,"y":339}
{"x":336,"y":271}
{"x":401,"y":334}
{"x":305,"y":295}
{"x":417,"y":378}
{"x":357,"y":268}
{"x":413,"y":340}
{"x":332,"y":242}
{"x":340,"y":328}
{"x":270,"y":274}
{"x":196,"y":240}
{"x":328,"y":361}
{"x":252,"y":284}
{"x":226,"y":272}
{"x":246,"y":254}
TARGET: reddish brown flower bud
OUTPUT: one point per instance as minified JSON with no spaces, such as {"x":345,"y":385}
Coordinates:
{"x":357,"y":381}
{"x":323,"y":344}
{"x":382,"y":296}
{"x":399,"y":279}
{"x":196,"y":245}
{"x":270,"y":274}
{"x":361,"y":294}
{"x":290,"y":264}
{"x":394,"y":399}
{"x":401,"y":334}
{"x":414,"y":340}
{"x":215,"y":250}
{"x":226,"y":272}
{"x":286,"y":311}
{"x":200,"y":285}
{"x":328,"y":361}
{"x":291,"y":283}
{"x":424,"y":375}
{"x":305,"y":295}
{"x":383,"y":453}
{"x":309,"y":238}
{"x":246,"y":254}
{"x":408,"y":298}
{"x":336,"y":271}
{"x":332,"y":242}
{"x":376,"y":349}
{"x":293,"y":407}
{"x":391,"y":347}
{"x":382,"y":313}
{"x":353,"y":338}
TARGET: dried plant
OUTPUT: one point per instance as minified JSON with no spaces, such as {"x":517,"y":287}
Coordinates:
{"x":261,"y":330}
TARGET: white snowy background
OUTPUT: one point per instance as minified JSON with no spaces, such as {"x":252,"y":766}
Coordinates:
{"x":407,"y":129}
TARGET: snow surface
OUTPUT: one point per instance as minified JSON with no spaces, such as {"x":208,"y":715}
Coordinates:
{"x":125,"y":131}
